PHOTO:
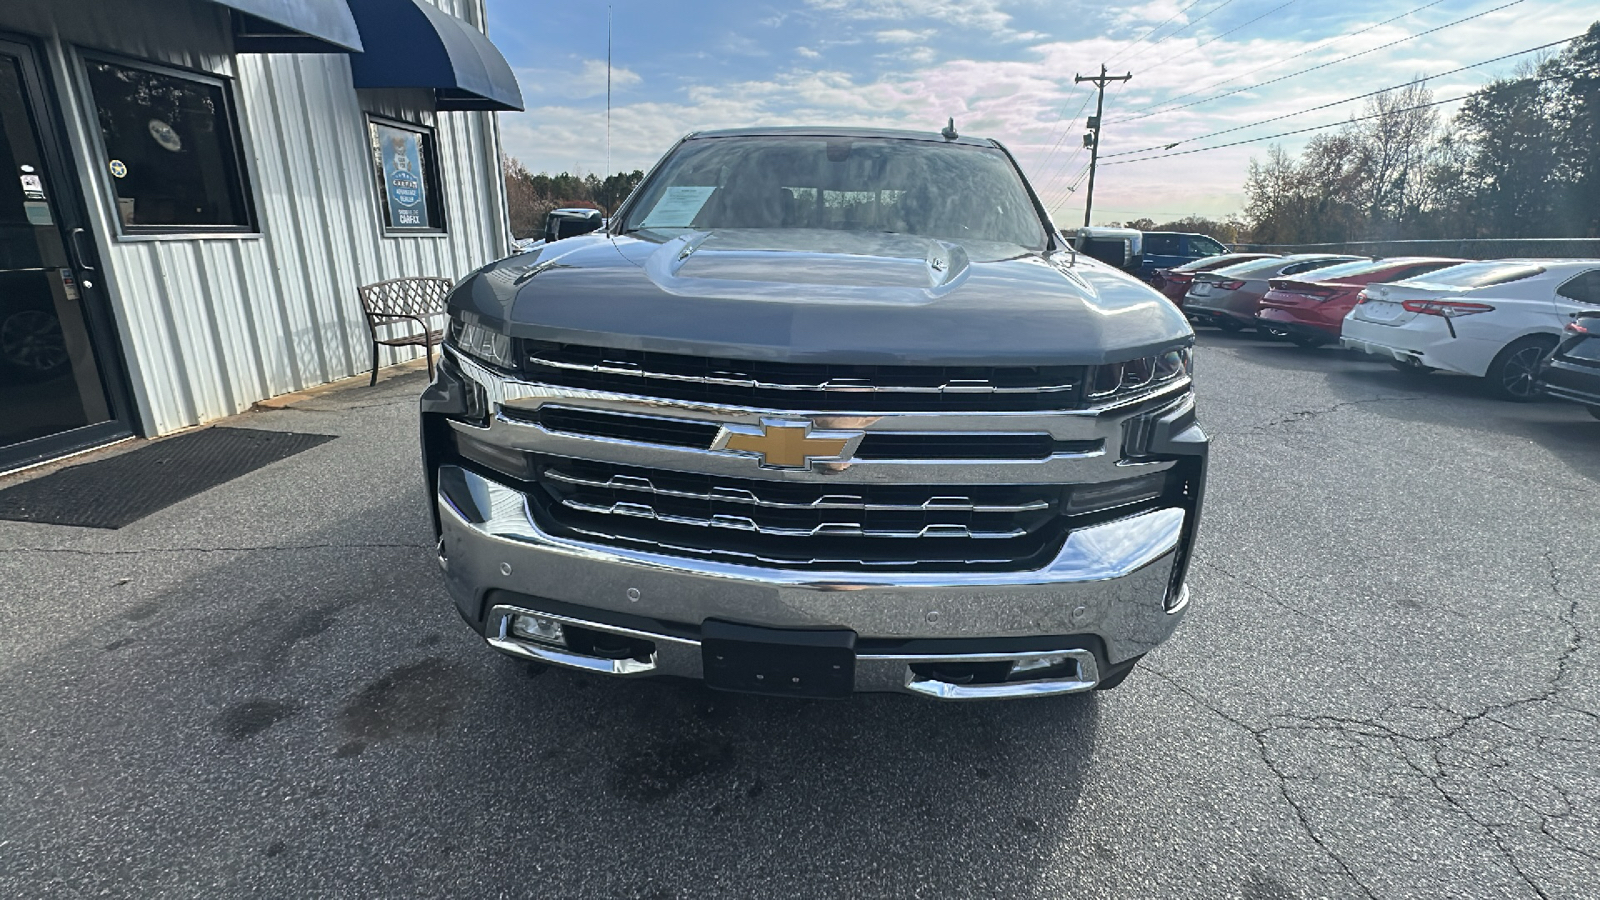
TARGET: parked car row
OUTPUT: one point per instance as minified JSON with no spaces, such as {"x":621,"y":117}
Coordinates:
{"x":1174,"y":282}
{"x":1526,"y":326}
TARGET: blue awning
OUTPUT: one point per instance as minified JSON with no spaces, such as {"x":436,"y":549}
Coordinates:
{"x":293,"y":26}
{"x":414,"y":44}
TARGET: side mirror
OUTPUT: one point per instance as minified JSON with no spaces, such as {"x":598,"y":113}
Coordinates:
{"x":565,"y":223}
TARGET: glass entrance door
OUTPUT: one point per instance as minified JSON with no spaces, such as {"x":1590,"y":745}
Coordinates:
{"x":56,"y":391}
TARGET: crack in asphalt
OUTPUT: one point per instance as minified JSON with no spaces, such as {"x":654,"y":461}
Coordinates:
{"x":296,"y":407}
{"x":1304,"y":415}
{"x":1282,"y":779}
{"x":1569,"y":618}
{"x":1269,"y":595}
{"x":1436,"y":745}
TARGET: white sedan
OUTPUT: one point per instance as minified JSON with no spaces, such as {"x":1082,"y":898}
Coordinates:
{"x":1496,"y":319}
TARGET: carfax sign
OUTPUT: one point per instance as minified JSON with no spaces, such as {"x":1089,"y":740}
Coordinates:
{"x":404,"y":189}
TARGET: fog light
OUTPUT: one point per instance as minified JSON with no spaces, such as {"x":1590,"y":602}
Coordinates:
{"x":538,"y":628}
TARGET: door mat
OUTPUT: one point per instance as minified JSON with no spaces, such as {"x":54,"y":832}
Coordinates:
{"x":113,"y":492}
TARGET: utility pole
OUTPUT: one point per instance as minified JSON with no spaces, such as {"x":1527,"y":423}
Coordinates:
{"x":1092,"y":136}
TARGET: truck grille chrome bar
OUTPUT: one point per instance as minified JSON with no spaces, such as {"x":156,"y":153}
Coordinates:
{"x":854,"y":385}
{"x":785,"y":385}
{"x":803,"y":523}
{"x":825,"y":501}
{"x":831,"y":529}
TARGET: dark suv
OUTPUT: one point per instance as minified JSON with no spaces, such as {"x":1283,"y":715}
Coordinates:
{"x":1166,"y":249}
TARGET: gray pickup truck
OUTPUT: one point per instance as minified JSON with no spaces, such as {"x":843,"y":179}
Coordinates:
{"x":819,"y":411}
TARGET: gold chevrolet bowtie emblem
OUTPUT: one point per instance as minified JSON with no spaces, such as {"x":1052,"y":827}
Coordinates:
{"x":782,"y":444}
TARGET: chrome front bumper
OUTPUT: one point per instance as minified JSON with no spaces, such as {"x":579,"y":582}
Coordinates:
{"x":1110,"y":581}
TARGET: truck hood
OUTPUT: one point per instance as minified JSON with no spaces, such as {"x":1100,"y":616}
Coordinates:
{"x":822,"y":296}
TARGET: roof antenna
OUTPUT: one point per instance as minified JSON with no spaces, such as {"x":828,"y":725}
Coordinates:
{"x":608,"y":91}
{"x":949,"y":132}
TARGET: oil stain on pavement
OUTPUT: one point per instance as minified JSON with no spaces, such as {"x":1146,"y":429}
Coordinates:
{"x":254,"y":716}
{"x":415,"y":699}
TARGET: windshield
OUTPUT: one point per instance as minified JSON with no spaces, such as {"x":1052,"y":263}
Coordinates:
{"x":1480,"y":274}
{"x":953,"y":192}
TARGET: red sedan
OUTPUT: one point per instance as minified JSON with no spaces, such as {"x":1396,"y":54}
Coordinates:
{"x":1311,"y":311}
{"x":1174,"y":282}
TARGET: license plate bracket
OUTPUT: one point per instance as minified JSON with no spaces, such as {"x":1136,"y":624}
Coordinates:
{"x":789,"y":662}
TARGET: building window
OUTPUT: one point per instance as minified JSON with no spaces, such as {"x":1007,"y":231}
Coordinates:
{"x":405,"y":161}
{"x":171,"y":149}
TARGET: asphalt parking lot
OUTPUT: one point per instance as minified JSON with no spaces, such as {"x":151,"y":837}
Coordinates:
{"x":1387,"y":688}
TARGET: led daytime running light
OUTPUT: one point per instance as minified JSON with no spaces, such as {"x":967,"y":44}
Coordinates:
{"x":483,"y":344}
{"x":1138,"y":375}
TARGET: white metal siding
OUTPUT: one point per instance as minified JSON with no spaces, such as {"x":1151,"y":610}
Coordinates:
{"x":209,"y":326}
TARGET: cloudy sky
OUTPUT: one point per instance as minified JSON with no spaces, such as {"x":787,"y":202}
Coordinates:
{"x":1002,"y":69}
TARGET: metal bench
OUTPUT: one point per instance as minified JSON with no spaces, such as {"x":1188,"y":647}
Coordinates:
{"x":409,"y":301}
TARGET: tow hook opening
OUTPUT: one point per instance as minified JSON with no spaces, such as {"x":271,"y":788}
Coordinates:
{"x":605,"y":645}
{"x":1001,"y":672}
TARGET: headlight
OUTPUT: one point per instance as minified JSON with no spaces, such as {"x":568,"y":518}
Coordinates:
{"x":482,"y":344}
{"x":1136,"y":376}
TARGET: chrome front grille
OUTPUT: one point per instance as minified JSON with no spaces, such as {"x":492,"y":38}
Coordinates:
{"x":800,"y":523}
{"x":980,"y":490}
{"x":804,"y":386}
{"x":877,"y":445}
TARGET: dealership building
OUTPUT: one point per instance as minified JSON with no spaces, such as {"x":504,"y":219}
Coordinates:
{"x":191,"y":192}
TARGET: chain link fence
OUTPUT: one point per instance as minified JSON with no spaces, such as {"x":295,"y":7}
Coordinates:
{"x":1463,"y":248}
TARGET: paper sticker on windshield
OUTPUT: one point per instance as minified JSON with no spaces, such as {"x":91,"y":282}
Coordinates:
{"x":678,"y":207}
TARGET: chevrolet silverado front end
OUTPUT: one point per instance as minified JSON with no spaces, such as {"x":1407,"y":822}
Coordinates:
{"x":820,"y":411}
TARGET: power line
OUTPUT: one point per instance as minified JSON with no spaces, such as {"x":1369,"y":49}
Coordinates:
{"x":1276,"y":62}
{"x":1099,"y":118}
{"x":1318,"y":66}
{"x":1072,"y":186}
{"x":1221,"y":36}
{"x":1099,"y":81}
{"x":1177,"y":31}
{"x":1141,"y":39}
{"x":1353,"y":120}
{"x":1067,"y":127}
{"x":1302,"y":112}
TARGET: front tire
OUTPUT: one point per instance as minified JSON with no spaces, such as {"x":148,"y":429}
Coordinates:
{"x":1511,"y":376}
{"x":1228,"y":325}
